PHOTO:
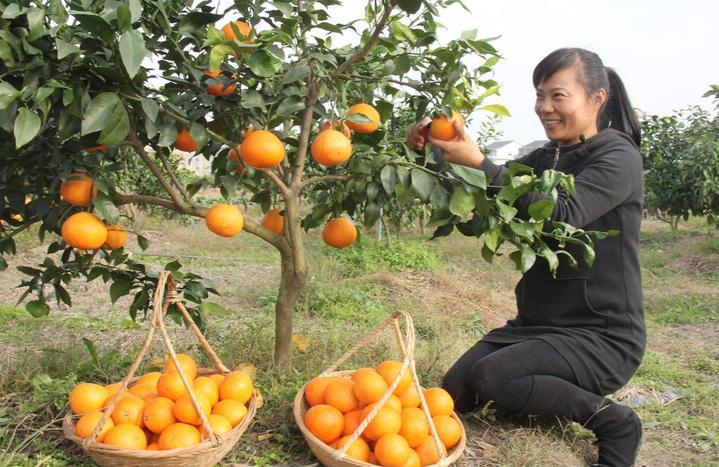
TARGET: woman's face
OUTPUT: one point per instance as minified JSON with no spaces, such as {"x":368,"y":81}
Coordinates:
{"x":565,"y":109}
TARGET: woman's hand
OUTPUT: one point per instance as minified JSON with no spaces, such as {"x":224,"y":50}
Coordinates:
{"x":417,"y":134}
{"x":460,"y":150}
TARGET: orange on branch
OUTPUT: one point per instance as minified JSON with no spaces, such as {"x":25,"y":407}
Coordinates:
{"x":184,"y":141}
{"x":244,"y":28}
{"x":224,"y":220}
{"x":78,"y":189}
{"x":275,"y":221}
{"x":218,"y":89}
{"x":262,"y":149}
{"x":330,"y":148}
{"x":84,"y":231}
{"x":443,"y":128}
{"x":336,"y":125}
{"x":339,"y":233}
{"x":234,"y":155}
{"x":369,"y":112}
{"x":116,"y":237}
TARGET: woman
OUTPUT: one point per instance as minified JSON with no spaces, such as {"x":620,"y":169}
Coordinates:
{"x":581,"y":335}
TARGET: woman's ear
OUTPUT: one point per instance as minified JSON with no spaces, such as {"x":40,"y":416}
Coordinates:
{"x":599,"y":97}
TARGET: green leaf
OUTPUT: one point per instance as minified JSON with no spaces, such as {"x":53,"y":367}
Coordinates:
{"x":120,"y":288}
{"x":132,"y":51}
{"x":99,"y":112}
{"x":506,"y":212}
{"x":461,"y":203}
{"x":487,"y":254}
{"x":106,"y":208}
{"x":199,"y":134}
{"x":541,"y":209}
{"x":136,"y":10}
{"x":12,"y":11}
{"x":3,"y":264}
{"x":150,"y":108}
{"x":35,"y":20}
{"x":117,"y":127}
{"x":423,"y":183}
{"x":168,"y":135}
{"x":65,"y":48}
{"x":410,"y":6}
{"x":371,"y":214}
{"x":91,"y":349}
{"x":493,"y":238}
{"x":63,"y":295}
{"x":296,"y":72}
{"x":263,"y":64}
{"x":588,"y":254}
{"x":402,"y":32}
{"x":124,"y":21}
{"x":212,"y":309}
{"x":289,"y":106}
{"x":195,"y":20}
{"x":388,"y":177}
{"x":551,"y":257}
{"x":27,"y":126}
{"x":252,"y":99}
{"x":8,"y":94}
{"x":523,"y":229}
{"x":95,"y":25}
{"x":496,"y":109}
{"x":37,"y":308}
{"x":142,"y":242}
{"x":218,"y":54}
{"x":438,"y":198}
{"x":472,"y":176}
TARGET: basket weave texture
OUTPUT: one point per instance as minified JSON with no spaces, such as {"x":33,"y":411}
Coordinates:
{"x":208,"y":452}
{"x":337,"y":457}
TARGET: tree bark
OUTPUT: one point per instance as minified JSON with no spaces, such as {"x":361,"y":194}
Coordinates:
{"x":292,"y":283}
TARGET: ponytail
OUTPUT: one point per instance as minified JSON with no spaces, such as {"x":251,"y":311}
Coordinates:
{"x":618,"y":112}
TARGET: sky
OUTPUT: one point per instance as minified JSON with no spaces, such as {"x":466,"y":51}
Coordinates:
{"x":664,"y":51}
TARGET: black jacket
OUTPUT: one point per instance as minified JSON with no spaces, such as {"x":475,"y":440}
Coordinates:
{"x":594,"y":315}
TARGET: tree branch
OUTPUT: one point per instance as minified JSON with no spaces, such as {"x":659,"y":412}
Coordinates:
{"x":304,"y":140}
{"x":173,"y":177}
{"x":325,"y":178}
{"x":370,"y":42}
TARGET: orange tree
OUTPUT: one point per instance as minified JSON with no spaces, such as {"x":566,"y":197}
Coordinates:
{"x":82,"y":82}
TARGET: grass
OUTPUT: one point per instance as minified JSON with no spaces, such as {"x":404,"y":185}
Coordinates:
{"x":454,"y":298}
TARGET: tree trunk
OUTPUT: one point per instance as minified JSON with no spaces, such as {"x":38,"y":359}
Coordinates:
{"x":292,"y":283}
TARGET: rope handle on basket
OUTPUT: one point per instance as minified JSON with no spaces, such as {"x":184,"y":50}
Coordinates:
{"x":408,"y":363}
{"x":161,"y":302}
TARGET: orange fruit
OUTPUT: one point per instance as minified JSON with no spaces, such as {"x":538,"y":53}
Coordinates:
{"x":184,"y":141}
{"x":339,"y":233}
{"x":389,"y":369}
{"x":170,"y":385}
{"x":219,"y":424}
{"x":112,"y":389}
{"x":414,"y":426}
{"x":359,"y":449}
{"x":84,"y":231}
{"x":325,"y":422}
{"x":243,"y":27}
{"x":335,"y":125}
{"x":369,"y":112}
{"x":145,"y":392}
{"x":392,"y":450}
{"x":274,"y":221}
{"x":315,"y":389}
{"x":409,"y":397}
{"x":116,"y":237}
{"x":87,"y":423}
{"x":385,"y":422}
{"x":393,"y":403}
{"x":237,"y":386}
{"x":78,"y":189}
{"x":186,"y":412}
{"x":206,"y":386}
{"x":224,"y":220}
{"x":159,"y":414}
{"x":186,"y":362}
{"x":234,"y":411}
{"x":100,"y":148}
{"x":340,"y":395}
{"x":234,"y":155}
{"x":331,"y":147}
{"x":369,"y":386}
{"x":413,"y":460}
{"x":262,"y":149}
{"x":218,"y":378}
{"x":87,"y":397}
{"x":443,"y":128}
{"x":218,"y":89}
{"x":427,"y":451}
{"x":179,"y":435}
{"x":127,"y":436}
{"x":153,"y":446}
{"x":448,"y":430}
{"x":150,"y":379}
{"x":373,"y":458}
{"x":129,"y":409}
{"x":352,"y":421}
{"x":439,"y":401}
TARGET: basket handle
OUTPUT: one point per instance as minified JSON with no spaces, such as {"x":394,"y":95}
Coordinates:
{"x":161,"y":303}
{"x":408,"y":363}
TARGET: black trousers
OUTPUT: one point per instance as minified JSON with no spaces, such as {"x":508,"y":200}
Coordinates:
{"x":527,"y":377}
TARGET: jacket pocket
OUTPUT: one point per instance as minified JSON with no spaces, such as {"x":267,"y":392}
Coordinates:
{"x":557,"y":302}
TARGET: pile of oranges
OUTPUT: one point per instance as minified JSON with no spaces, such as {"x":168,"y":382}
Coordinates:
{"x":156,"y":413}
{"x":399,"y":435}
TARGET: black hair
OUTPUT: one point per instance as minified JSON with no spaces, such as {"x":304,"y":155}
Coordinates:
{"x":616,"y":112}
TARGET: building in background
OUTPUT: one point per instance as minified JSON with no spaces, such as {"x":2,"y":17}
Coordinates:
{"x":501,"y":152}
{"x":527,"y":148}
{"x":195,"y":163}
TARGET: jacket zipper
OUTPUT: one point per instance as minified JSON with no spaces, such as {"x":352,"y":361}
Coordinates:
{"x":556,"y":157}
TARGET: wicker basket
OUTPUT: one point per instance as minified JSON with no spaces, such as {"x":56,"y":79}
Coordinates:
{"x":208,"y":452}
{"x":338,"y":458}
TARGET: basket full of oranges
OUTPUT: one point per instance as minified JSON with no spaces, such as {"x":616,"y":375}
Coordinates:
{"x":379,"y":416}
{"x":181,"y":416}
